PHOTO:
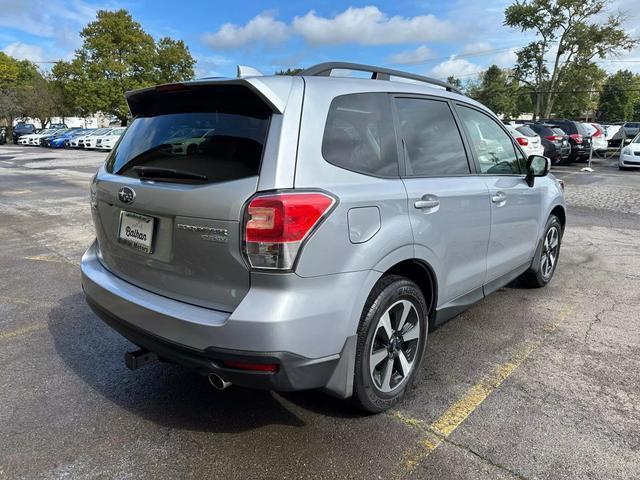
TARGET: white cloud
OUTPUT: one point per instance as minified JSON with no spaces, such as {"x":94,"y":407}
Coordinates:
{"x":369,"y":26}
{"x":261,"y":28}
{"x":476,"y":47}
{"x":458,"y":67}
{"x":412,"y":57}
{"x":506,"y":59}
{"x":209,"y":65}
{"x":24,"y":51}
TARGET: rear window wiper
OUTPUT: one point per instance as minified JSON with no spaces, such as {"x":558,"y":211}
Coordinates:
{"x":158,"y":173}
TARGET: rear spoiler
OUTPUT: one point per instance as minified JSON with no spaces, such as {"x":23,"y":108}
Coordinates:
{"x":273,"y":90}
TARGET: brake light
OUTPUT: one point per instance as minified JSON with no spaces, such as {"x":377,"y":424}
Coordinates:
{"x":171,"y":87}
{"x":554,"y":138}
{"x":597,"y":133}
{"x":577,"y":137}
{"x":277,"y":224}
{"x":522,"y":141}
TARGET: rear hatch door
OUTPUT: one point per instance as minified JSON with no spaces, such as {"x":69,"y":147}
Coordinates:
{"x":169,"y":201}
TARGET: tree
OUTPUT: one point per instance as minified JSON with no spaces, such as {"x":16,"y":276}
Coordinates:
{"x":496,"y":91}
{"x":578,"y":92}
{"x":40,"y":99}
{"x":174,"y":63}
{"x":568,"y":32}
{"x":290,"y":71}
{"x":116,"y":56}
{"x":455,"y":82}
{"x":620,"y":97}
{"x":15,"y":75}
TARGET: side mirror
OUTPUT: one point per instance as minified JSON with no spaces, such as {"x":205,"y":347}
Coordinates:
{"x":537,"y":166}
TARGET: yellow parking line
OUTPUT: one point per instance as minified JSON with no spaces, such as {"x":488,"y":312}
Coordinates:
{"x":18,"y":332}
{"x":456,"y":414}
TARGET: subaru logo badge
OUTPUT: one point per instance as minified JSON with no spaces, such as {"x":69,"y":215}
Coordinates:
{"x":126,"y":195}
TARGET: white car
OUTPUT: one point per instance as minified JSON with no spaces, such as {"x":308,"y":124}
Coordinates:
{"x":598,"y":139}
{"x":107,"y":142}
{"x":610,"y":130}
{"x":34,"y":138}
{"x":630,"y":155}
{"x":186,"y":142}
{"x":528,"y":140}
{"x":86,"y":140}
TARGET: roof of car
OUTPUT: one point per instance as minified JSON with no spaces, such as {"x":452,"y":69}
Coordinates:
{"x":275,"y":89}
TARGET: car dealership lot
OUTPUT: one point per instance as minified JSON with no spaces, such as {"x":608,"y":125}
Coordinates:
{"x":526,"y":384}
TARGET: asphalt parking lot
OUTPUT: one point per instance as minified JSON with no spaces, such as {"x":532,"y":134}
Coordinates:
{"x":526,"y":384}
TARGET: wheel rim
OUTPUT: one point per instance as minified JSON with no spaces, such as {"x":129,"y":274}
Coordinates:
{"x":550,"y":250}
{"x":394,"y":348}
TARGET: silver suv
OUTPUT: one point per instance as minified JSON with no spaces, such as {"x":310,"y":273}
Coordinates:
{"x":303,"y":232}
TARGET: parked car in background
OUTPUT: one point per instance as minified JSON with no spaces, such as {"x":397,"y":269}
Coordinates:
{"x":631,"y":129}
{"x":107,"y":141}
{"x":528,"y":140}
{"x":90,"y":141}
{"x":58,"y":126}
{"x":187,"y":141}
{"x":3,"y":135}
{"x":44,"y":141}
{"x":554,"y":141}
{"x":630,"y":155}
{"x":22,"y":129}
{"x":34,"y":138}
{"x":219,"y":260}
{"x":599,"y":143}
{"x":579,"y":138}
{"x":79,"y":142}
{"x":62,"y":140}
{"x":610,"y":130}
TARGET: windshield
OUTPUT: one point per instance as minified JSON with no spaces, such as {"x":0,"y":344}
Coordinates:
{"x":218,"y":146}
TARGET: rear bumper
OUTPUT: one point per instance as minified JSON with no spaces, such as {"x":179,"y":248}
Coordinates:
{"x":305,"y":325}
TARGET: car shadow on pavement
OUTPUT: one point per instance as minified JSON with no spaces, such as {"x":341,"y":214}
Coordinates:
{"x":167,"y":394}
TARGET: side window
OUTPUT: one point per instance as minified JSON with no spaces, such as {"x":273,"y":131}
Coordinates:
{"x":492,"y":145}
{"x":359,"y":134}
{"x":433,"y":145}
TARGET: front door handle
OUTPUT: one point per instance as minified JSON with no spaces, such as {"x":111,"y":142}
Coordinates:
{"x":427,"y":201}
{"x":499,"y":197}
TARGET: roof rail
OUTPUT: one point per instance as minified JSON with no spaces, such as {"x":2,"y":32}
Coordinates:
{"x":377,"y":73}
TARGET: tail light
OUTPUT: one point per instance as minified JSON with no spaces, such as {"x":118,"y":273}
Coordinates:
{"x":276,"y":225}
{"x":597,"y":133}
{"x":577,"y":137}
{"x":522,"y":141}
{"x":554,"y":138}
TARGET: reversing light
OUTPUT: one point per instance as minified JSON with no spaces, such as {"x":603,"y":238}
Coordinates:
{"x":277,"y":224}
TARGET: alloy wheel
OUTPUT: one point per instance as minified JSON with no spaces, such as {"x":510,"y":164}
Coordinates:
{"x":550,"y":250}
{"x":395,"y":345}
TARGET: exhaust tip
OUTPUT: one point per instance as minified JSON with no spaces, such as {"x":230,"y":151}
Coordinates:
{"x":218,"y":382}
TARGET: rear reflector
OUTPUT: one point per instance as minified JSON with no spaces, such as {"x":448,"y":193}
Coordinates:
{"x":256,"y":367}
{"x":277,"y":224}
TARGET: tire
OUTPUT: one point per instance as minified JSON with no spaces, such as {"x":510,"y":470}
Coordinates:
{"x":541,"y":273}
{"x":622,"y":168}
{"x":401,"y":357}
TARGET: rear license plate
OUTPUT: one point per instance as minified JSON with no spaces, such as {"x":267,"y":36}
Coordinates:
{"x":136,"y":230}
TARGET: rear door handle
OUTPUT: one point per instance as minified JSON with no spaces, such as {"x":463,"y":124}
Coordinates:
{"x":427,"y":201}
{"x":498,"y":197}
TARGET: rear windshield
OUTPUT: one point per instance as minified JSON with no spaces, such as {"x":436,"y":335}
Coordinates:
{"x":195,"y":133}
{"x":543,"y":130}
{"x":527,"y":131}
{"x":632,"y":125}
{"x":558,"y":131}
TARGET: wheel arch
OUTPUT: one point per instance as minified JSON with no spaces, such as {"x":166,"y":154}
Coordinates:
{"x":561,"y":213}
{"x":422,"y":274}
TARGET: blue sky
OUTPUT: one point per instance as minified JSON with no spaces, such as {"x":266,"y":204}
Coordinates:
{"x":438,"y":38}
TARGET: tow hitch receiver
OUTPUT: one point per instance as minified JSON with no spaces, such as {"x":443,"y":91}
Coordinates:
{"x":139,"y":358}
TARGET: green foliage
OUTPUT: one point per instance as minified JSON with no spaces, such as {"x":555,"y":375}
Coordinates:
{"x":578,"y":90}
{"x":620,"y":98}
{"x":117,"y":55}
{"x":496,"y":91}
{"x":290,"y":71}
{"x":453,"y":81}
{"x":569,"y":33}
